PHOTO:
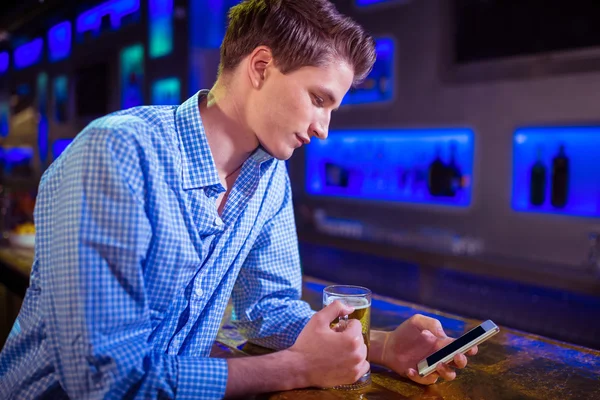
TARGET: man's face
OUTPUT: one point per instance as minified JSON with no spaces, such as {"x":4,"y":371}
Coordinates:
{"x":289,"y":110}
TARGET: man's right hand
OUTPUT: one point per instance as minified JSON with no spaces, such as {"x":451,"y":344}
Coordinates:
{"x":331,"y":358}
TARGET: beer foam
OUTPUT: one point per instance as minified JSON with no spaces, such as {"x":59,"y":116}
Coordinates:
{"x":358,"y":303}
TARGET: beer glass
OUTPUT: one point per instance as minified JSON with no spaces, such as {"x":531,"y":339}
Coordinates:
{"x":358,"y":298}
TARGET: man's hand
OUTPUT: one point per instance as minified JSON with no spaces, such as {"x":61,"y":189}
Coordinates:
{"x":413,"y":340}
{"x":332,"y":358}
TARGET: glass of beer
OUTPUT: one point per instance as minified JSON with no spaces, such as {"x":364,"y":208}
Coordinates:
{"x":358,"y":298}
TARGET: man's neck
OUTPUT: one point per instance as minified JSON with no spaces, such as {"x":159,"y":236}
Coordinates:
{"x":231,"y":141}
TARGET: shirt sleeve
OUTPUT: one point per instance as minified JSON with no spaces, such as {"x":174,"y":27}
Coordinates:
{"x":268,"y":309}
{"x":95,"y":234}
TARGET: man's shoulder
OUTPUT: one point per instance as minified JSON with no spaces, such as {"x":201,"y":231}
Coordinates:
{"x":151,"y":128}
{"x":142,"y":120}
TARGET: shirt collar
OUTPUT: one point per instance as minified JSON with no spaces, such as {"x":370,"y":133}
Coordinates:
{"x":199,"y":169}
{"x":198,"y":164}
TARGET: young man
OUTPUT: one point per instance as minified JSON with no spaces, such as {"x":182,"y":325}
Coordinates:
{"x":155,"y":217}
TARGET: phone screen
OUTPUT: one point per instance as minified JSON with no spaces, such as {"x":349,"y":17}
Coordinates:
{"x":457,"y":344}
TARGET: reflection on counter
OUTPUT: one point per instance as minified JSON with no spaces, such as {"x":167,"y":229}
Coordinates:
{"x":430,"y":166}
{"x":556,"y":170}
{"x":379,"y":84}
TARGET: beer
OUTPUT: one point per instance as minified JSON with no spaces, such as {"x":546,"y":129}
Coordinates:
{"x":362,"y":313}
{"x":359,"y":298}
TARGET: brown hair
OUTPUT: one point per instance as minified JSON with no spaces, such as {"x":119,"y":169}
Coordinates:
{"x":299,"y":33}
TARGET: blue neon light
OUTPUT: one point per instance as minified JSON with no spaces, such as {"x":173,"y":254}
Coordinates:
{"x":42,"y":99}
{"x":117,"y":9}
{"x":210,"y":18}
{"x":29,"y":53}
{"x":366,"y":3}
{"x":379,"y":85}
{"x":533,"y":188}
{"x":4,"y":62}
{"x":166,"y":91}
{"x":132,"y":76}
{"x":59,"y":146}
{"x":161,"y":28}
{"x":61,"y":87}
{"x":393,"y":165}
{"x":4,"y":118}
{"x":59,"y":41}
{"x":16,"y":155}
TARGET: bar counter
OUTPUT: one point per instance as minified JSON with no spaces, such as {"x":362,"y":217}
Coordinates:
{"x":511,"y":365}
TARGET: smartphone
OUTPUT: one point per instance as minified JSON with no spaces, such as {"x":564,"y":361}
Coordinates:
{"x":446,"y":354}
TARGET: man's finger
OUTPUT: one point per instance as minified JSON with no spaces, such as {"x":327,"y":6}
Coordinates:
{"x":333,"y":311}
{"x":446,"y":372}
{"x":354,"y":329}
{"x":472,"y":351}
{"x":431,"y":324}
{"x":430,"y":379}
{"x":460,"y":360}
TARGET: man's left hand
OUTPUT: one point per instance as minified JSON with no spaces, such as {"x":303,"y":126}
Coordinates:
{"x":415,"y":339}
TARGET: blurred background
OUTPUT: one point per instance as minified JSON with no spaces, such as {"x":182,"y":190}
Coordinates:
{"x":463,"y":174}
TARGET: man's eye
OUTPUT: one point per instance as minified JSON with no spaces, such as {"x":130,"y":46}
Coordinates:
{"x":318,"y":101}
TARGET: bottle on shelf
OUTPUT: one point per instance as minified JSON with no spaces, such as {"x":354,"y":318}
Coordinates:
{"x":560,"y":179}
{"x":537,"y":188}
{"x":454,"y":171}
{"x":438,"y":178}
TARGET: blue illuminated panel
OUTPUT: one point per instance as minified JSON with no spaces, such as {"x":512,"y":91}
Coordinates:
{"x":548,"y":180}
{"x":61,"y":106}
{"x":4,"y":118}
{"x":379,"y":85}
{"x":161,"y":28}
{"x":4,"y":62}
{"x":210,"y":21}
{"x":367,"y":3}
{"x":166,"y":91}
{"x":15,"y":156}
{"x":59,"y":146}
{"x":91,"y":20}
{"x":430,"y":166}
{"x":29,"y":53}
{"x":132,"y":76}
{"x":59,"y":41}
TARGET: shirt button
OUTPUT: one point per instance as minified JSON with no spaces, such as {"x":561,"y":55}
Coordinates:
{"x":218,"y":221}
{"x":199,"y":291}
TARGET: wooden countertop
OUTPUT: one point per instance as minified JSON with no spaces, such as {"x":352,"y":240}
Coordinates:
{"x":511,"y":365}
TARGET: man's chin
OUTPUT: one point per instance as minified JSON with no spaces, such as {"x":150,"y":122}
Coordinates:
{"x":280,"y":154}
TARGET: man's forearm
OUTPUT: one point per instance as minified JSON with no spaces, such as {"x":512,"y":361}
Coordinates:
{"x":377,"y":348}
{"x":284,"y":370}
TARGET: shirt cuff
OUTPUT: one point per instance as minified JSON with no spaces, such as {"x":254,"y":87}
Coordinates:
{"x":201,"y":378}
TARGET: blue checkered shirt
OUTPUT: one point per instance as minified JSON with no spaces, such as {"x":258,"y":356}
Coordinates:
{"x":134,"y":266}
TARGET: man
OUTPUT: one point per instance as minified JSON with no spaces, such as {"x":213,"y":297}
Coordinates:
{"x":155,"y":217}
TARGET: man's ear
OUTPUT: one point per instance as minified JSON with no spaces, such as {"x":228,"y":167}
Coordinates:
{"x":259,"y":61}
